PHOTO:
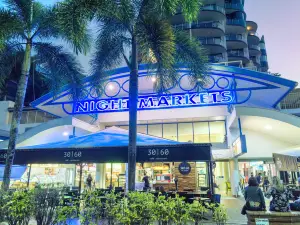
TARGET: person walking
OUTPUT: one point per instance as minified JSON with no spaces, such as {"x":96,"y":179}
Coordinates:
{"x":258,"y":178}
{"x":266,"y":183}
{"x":89,"y":181}
{"x":280,"y":196}
{"x":146,"y":182}
{"x":254,"y":197}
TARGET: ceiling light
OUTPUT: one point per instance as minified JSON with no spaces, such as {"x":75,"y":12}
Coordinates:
{"x":268,"y":127}
{"x":65,"y":133}
{"x":153,"y":79}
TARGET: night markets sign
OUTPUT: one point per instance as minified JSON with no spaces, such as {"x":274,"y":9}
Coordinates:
{"x":155,"y":102}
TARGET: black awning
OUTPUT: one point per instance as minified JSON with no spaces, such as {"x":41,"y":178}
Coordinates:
{"x":155,"y":153}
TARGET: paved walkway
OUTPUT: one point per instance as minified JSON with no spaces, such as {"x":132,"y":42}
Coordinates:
{"x":234,"y":207}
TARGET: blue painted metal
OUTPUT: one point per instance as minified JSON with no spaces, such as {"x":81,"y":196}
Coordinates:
{"x":236,"y":81}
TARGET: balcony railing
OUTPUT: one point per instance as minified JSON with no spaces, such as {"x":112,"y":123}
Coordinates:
{"x":252,"y":33}
{"x":238,"y":53}
{"x":236,"y":22}
{"x":218,"y":58}
{"x":215,"y":24}
{"x":292,"y":101}
{"x":236,"y":37}
{"x":213,"y":8}
{"x":255,"y":59}
{"x":182,"y":26}
{"x":255,"y":47}
{"x":213,"y":41}
{"x":234,"y":6}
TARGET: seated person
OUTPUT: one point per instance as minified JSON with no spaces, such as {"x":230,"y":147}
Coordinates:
{"x":254,"y":197}
{"x":280,"y":196}
{"x":295,"y":206}
{"x":162,"y":191}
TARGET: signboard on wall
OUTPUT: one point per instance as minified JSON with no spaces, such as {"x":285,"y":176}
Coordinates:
{"x":184,"y":168}
{"x":239,"y":146}
{"x":165,"y":101}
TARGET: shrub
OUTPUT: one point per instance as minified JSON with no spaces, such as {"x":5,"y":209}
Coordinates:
{"x":18,"y":207}
{"x":220,"y":215}
{"x":196,"y":211}
{"x":45,"y":205}
{"x":92,"y":207}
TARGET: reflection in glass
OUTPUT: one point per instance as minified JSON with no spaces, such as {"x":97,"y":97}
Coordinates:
{"x":170,"y":131}
{"x":185,"y":132}
{"x":217,"y":131}
{"x":155,"y":130}
{"x":201,"y":132}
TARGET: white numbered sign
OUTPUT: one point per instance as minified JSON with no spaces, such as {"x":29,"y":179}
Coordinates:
{"x":262,"y":221}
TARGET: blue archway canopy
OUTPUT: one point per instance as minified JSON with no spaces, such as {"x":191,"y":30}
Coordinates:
{"x":224,"y":86}
{"x":111,"y":145}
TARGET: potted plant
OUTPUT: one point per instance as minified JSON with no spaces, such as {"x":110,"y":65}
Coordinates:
{"x":196,"y":212}
{"x":220,"y":215}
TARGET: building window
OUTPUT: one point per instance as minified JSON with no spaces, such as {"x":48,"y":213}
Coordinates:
{"x":142,"y":129}
{"x":201,"y":132}
{"x":217,"y":132}
{"x":155,"y":130}
{"x":185,"y":132}
{"x":170,"y":131}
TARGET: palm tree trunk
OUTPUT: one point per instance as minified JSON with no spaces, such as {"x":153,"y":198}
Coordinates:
{"x":133,"y":100}
{"x":17,"y":113}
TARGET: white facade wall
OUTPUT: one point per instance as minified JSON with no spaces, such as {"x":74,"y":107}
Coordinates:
{"x":262,"y":146}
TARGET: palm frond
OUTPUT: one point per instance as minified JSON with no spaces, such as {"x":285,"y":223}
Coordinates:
{"x":190,"y":9}
{"x":23,"y":8}
{"x":10,"y":57}
{"x":166,"y":8}
{"x":190,"y":53}
{"x":109,"y":53}
{"x":58,"y":66}
{"x":71,"y":20}
{"x":119,"y":11}
{"x":10,"y":27}
{"x":156,"y":43}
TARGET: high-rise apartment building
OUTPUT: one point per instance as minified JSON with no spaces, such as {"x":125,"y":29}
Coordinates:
{"x":224,"y":31}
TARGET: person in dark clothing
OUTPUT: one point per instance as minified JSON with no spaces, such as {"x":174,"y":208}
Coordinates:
{"x":162,"y":191}
{"x":266,"y":183}
{"x":254,"y":197}
{"x":89,"y":180}
{"x":176,"y":183}
{"x":258,"y":178}
{"x":146,"y":182}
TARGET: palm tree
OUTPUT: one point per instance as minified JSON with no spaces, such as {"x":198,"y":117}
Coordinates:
{"x":25,"y":33}
{"x":143,"y":27}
